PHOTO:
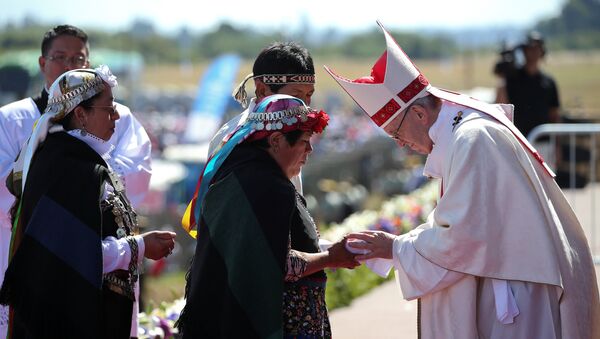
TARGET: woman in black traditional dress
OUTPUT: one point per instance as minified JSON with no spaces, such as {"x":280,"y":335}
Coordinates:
{"x":75,"y":257}
{"x":258,"y":271}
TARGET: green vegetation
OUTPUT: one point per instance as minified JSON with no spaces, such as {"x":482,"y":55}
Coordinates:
{"x":343,"y":285}
{"x":576,"y":27}
{"x":165,"y":288}
{"x":226,"y":38}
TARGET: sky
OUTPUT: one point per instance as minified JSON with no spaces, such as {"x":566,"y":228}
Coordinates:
{"x":169,"y":16}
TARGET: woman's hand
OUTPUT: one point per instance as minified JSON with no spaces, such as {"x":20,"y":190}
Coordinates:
{"x":378,"y":244}
{"x":158,"y":244}
{"x":339,"y":256}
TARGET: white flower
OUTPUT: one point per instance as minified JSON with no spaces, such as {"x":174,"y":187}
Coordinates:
{"x":107,"y":75}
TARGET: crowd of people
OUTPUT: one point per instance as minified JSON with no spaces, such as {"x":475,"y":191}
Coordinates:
{"x":501,"y":256}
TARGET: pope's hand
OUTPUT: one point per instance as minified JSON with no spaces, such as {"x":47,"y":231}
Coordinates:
{"x":375,"y":244}
{"x":158,"y":244}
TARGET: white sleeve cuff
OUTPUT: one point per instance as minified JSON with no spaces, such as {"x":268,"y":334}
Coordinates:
{"x":416,"y":275}
{"x":141,"y":250}
{"x":116,"y":253}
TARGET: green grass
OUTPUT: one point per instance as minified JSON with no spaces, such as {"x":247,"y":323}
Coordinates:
{"x":165,"y":288}
{"x":344,"y":285}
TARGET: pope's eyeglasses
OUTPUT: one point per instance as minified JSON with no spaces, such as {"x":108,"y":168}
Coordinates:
{"x":395,"y":134}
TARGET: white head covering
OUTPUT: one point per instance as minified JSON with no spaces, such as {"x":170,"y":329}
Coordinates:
{"x":67,"y":91}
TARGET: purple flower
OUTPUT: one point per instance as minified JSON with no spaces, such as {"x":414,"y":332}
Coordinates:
{"x":164,"y":325}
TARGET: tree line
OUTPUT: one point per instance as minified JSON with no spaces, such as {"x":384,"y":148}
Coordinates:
{"x":247,"y":42}
{"x":576,"y":27}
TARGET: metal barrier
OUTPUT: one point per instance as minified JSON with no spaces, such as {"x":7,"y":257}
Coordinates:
{"x":581,"y":191}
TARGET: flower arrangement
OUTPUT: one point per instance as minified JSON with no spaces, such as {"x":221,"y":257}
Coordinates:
{"x":159,"y":323}
{"x":398,"y":215}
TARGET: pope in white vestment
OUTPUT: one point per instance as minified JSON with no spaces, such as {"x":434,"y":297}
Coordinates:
{"x":502,"y":235}
{"x":503,"y":254}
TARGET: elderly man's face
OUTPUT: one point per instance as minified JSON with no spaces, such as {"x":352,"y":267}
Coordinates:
{"x":411,"y":128}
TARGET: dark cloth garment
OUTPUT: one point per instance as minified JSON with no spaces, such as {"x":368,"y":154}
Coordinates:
{"x":305,"y":312}
{"x":533,"y":97}
{"x":235,"y":286}
{"x":41,"y":101}
{"x":304,"y":309}
{"x":54,"y":281}
{"x":304,"y":237}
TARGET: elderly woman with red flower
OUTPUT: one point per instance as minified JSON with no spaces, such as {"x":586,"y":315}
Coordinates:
{"x":258,"y":271}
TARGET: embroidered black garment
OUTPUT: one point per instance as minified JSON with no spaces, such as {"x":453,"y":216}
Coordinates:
{"x":54,"y":280}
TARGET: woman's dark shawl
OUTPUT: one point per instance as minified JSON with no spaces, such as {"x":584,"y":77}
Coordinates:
{"x":54,"y":278}
{"x":235,"y":286}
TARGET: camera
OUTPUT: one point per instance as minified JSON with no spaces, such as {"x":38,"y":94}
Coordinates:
{"x":507,"y":62}
{"x":513,"y":57}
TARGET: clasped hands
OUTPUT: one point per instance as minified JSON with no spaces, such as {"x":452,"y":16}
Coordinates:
{"x":357,"y":247}
{"x":371,"y":244}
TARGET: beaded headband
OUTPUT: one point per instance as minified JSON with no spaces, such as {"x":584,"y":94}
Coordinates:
{"x":240,"y":95}
{"x":284,"y":113}
{"x":272,"y":121}
{"x":274,"y":113}
{"x":278,"y":79}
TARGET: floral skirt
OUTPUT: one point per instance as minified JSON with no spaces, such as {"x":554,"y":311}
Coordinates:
{"x":305,"y":312}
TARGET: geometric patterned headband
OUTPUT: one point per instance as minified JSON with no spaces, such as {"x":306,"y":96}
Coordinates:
{"x":278,"y":79}
{"x":240,"y":95}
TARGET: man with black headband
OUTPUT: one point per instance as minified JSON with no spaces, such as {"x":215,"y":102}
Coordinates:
{"x":280,"y":68}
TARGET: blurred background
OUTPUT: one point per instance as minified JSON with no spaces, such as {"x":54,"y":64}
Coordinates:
{"x":177,"y":59}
